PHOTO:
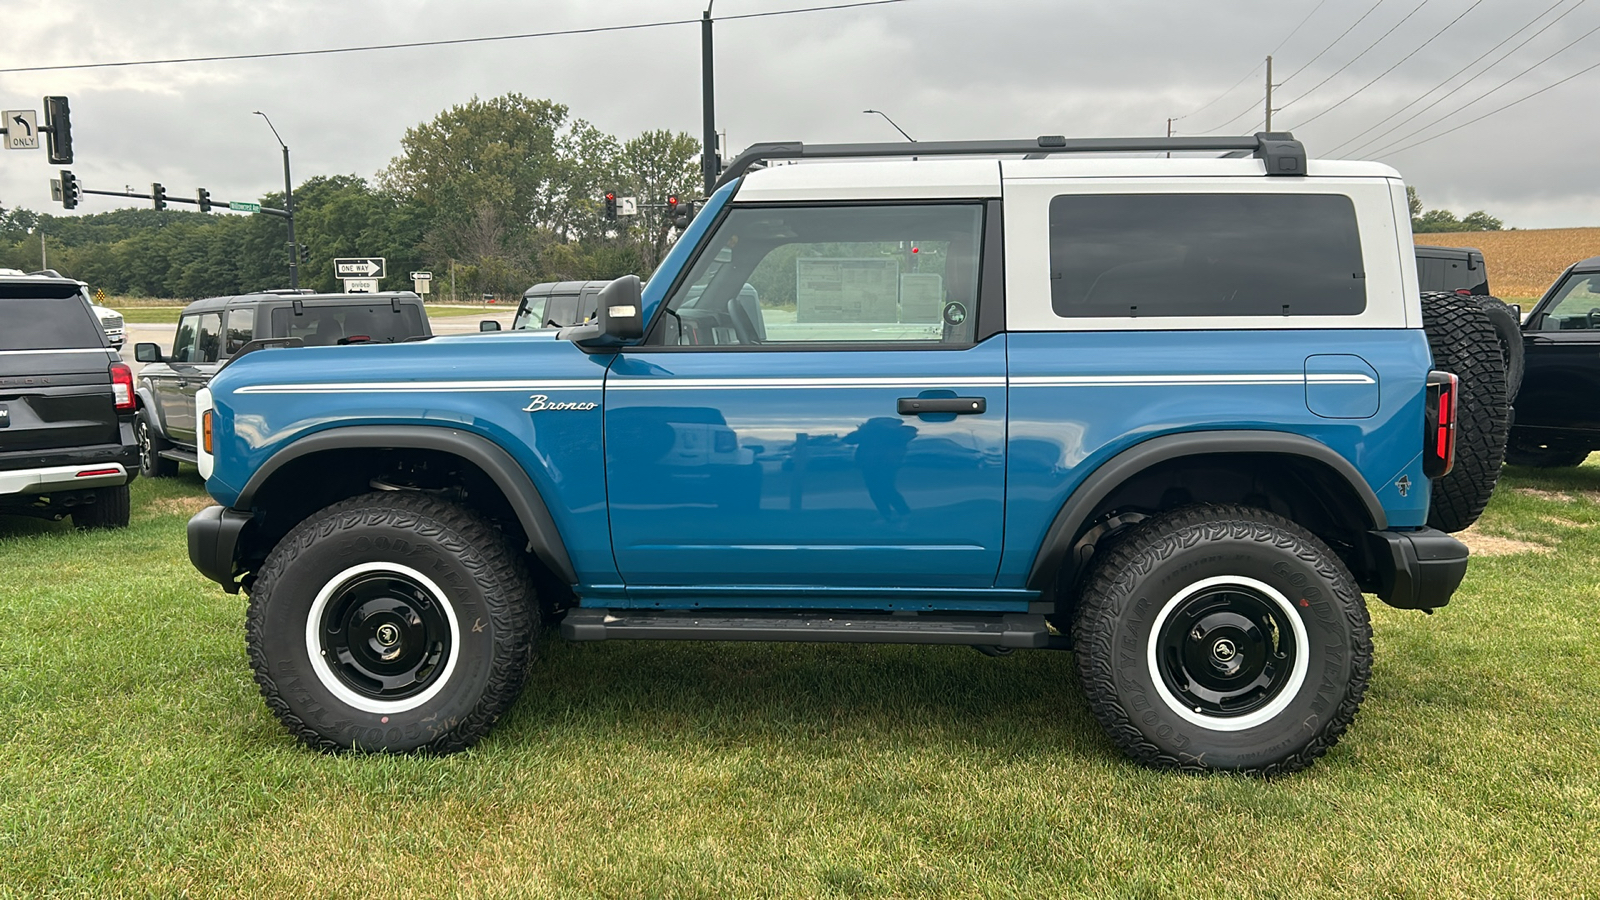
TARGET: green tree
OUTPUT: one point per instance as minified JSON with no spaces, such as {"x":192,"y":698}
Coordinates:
{"x":1437,"y":221}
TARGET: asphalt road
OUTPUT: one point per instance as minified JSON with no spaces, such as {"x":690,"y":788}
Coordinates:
{"x":162,"y":334}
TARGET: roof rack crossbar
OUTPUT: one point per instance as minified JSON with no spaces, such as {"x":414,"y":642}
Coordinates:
{"x":1283,"y":154}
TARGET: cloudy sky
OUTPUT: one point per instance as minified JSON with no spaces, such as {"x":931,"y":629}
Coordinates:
{"x":944,"y":69}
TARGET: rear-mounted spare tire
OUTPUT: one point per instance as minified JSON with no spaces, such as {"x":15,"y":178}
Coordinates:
{"x":1464,"y":341}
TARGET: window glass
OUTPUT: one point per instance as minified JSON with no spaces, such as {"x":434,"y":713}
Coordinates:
{"x":871,"y":274}
{"x":183,"y":344}
{"x":45,"y":322}
{"x":530,"y":315}
{"x":320,"y":326}
{"x":209,"y":340}
{"x":1577,"y":307}
{"x":1138,"y":255}
{"x":241,"y":323}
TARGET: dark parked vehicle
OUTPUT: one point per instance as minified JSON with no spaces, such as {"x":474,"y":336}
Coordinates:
{"x":212,"y":331}
{"x":1558,"y":409}
{"x":66,"y":407}
{"x":1452,"y":269}
{"x":556,"y":304}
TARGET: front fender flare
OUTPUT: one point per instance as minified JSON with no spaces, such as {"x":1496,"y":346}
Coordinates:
{"x":512,"y":480}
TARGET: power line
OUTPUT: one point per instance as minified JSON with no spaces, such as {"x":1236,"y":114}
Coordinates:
{"x":1335,"y":41}
{"x":1449,"y":78}
{"x":1223,"y":94}
{"x":1292,"y":32}
{"x":1486,"y":115}
{"x":1297,"y":28}
{"x":1380,"y":75}
{"x":407,"y":45}
{"x":1492,"y":90}
{"x":1368,"y":49}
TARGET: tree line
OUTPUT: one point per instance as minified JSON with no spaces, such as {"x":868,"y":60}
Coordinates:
{"x":505,"y":192}
{"x":1434,"y":221}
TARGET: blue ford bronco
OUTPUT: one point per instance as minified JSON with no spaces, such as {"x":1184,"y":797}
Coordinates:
{"x":1174,"y":415}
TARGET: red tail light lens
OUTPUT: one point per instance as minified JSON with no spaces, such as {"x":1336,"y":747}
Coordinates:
{"x":122,"y":387}
{"x":1439,"y":434}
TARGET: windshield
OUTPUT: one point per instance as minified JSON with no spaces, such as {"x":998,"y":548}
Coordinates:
{"x":1576,"y":305}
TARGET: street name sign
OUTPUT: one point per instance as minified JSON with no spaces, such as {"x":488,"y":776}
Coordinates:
{"x":22,"y":129}
{"x":244,"y":206}
{"x":359,"y":267}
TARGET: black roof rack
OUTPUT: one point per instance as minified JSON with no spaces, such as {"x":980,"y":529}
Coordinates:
{"x":1283,"y":154}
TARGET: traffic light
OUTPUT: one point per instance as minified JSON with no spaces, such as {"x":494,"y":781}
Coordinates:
{"x":679,"y":212}
{"x":158,"y":196}
{"x":611,"y":206}
{"x":204,"y":197}
{"x":672,"y":207}
{"x":305,"y":254}
{"x":70,"y":190}
{"x":58,"y":139}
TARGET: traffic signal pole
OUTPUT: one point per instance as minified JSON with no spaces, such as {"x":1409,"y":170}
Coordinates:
{"x":708,"y":152}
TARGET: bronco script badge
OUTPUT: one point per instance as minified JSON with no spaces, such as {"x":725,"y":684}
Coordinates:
{"x":540,"y":403}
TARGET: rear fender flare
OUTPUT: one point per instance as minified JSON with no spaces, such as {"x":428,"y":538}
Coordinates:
{"x":1070,"y":521}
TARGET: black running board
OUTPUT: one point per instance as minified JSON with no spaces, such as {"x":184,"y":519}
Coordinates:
{"x":176,"y":455}
{"x":1010,"y":630}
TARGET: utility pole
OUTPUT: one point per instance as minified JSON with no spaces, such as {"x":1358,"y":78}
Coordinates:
{"x":1269,"y":94}
{"x":288,"y":206}
{"x":1169,"y":134}
{"x":44,"y":261}
{"x":708,"y":154}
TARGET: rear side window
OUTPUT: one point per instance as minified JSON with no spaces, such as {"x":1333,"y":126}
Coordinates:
{"x":1138,"y":255}
{"x":241,"y":322}
{"x":327,"y":325}
{"x":31,"y":319}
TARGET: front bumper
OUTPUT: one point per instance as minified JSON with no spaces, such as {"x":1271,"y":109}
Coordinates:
{"x":213,"y":541}
{"x":1416,"y":569}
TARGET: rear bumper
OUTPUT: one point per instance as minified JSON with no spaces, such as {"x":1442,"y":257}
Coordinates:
{"x":53,"y":479}
{"x":213,"y":542}
{"x":1416,"y":569}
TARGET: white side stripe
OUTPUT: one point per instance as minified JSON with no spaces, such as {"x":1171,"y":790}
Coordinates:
{"x":932,"y":381}
{"x":1179,"y":380}
{"x":406,"y":387}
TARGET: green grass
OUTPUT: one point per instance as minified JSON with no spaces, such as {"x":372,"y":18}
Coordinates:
{"x":136,"y":758}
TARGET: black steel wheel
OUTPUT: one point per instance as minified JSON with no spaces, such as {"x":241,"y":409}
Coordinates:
{"x":151,"y":462}
{"x":1222,"y":638}
{"x":391,"y":622}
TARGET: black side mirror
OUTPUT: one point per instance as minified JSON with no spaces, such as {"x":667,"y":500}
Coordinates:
{"x":488,"y":325}
{"x":619,"y":317}
{"x":147,"y":352}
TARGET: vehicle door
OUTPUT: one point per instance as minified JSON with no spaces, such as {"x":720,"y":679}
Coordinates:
{"x":193,"y":361}
{"x":816,"y":407}
{"x":1561,"y":384}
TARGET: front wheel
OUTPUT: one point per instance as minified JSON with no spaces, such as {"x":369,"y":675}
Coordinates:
{"x":391,"y":622}
{"x":1223,"y":638}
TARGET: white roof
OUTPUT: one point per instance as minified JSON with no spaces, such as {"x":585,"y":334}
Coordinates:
{"x":905,"y":178}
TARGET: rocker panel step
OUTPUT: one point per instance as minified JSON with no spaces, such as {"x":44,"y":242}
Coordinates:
{"x":1013,"y":630}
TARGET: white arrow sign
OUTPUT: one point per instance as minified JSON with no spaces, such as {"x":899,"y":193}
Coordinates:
{"x":367,"y":267}
{"x":22,"y":129}
{"x":360,"y":285}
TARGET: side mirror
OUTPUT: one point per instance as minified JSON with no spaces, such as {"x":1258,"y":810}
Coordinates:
{"x":147,"y":352}
{"x":619,"y":317}
{"x":488,"y":325}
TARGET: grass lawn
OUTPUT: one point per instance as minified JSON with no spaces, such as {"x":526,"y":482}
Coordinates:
{"x":137,"y":759}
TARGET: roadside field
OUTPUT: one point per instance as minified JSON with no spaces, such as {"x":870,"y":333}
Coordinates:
{"x":137,"y":759}
{"x":1523,"y":263}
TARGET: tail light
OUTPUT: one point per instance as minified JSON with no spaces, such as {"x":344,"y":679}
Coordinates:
{"x":122,"y":387}
{"x":1439,"y":430}
{"x":205,"y":430}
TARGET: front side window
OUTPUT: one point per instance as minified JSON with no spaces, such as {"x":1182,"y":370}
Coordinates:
{"x":835,"y":274}
{"x":183,"y":343}
{"x":209,"y":339}
{"x":1577,"y":305}
{"x":1140,"y":255}
{"x":241,"y":322}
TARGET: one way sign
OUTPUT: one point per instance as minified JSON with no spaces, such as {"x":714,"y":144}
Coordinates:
{"x":22,"y":129}
{"x":363,"y":267}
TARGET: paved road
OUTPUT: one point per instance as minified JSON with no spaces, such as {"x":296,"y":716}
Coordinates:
{"x":162,"y":334}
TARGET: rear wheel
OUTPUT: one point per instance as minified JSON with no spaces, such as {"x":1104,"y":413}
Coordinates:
{"x":1222,"y":638}
{"x":109,"y":509}
{"x":391,"y":622}
{"x":151,"y":462}
{"x":1509,"y":331}
{"x":1464,"y":342}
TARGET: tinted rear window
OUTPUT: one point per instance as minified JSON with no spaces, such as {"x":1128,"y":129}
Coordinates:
{"x":46,"y":317}
{"x":1140,"y":255}
{"x":326,"y":325}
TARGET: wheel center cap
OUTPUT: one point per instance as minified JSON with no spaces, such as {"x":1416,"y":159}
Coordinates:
{"x":1224,"y":650}
{"x":388,"y":635}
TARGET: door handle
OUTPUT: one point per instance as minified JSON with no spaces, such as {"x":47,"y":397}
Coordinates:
{"x":917,"y":406}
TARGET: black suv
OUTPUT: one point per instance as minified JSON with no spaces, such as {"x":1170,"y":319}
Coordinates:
{"x":212,"y":331}
{"x":1558,"y":410}
{"x":66,"y":407}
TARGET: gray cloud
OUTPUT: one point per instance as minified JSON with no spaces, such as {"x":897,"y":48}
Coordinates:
{"x":944,"y":69}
